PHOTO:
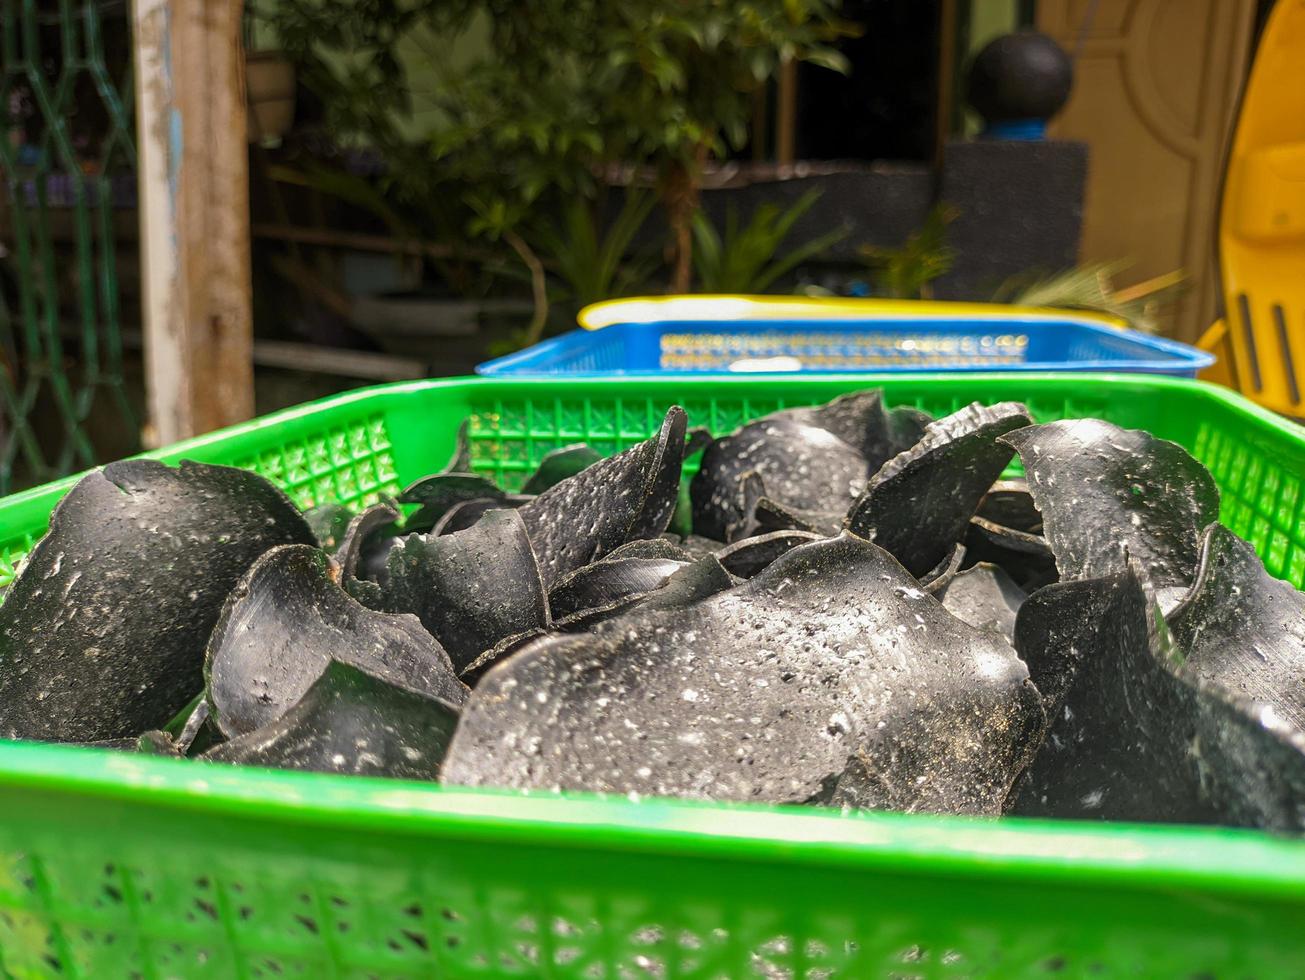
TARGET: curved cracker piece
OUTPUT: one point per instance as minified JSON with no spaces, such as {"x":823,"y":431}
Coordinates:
{"x":622,"y":498}
{"x":467,"y":513}
{"x":362,"y":551}
{"x":609,"y":581}
{"x":558,"y":465}
{"x":1108,"y":495}
{"x":102,"y":633}
{"x":801,"y":466}
{"x":328,"y":523}
{"x":830,"y":676}
{"x":286,"y":620}
{"x":1243,"y":629}
{"x":919,"y":504}
{"x":751,"y":555}
{"x":472,"y":588}
{"x":1134,"y":736}
{"x":351,"y":721}
{"x":860,"y":420}
{"x":439,"y":493}
{"x":985,"y":596}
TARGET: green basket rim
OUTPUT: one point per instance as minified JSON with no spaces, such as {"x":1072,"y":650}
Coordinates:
{"x":708,"y":382}
{"x":1143,"y":856}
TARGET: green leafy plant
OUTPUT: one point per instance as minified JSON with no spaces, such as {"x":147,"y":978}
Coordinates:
{"x":1091,"y":287}
{"x":747,"y":258}
{"x":595,"y":262}
{"x":563,"y":91}
{"x":676,"y":81}
{"x":906,"y":272}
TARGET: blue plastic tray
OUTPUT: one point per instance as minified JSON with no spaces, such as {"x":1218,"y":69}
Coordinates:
{"x":816,"y":345}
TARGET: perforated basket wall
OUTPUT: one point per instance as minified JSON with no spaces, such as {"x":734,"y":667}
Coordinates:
{"x":113,"y":865}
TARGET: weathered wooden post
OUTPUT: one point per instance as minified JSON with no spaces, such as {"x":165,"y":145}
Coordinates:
{"x":194,"y":215}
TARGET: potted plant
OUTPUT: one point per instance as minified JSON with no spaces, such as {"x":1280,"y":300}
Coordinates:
{"x":270,"y":92}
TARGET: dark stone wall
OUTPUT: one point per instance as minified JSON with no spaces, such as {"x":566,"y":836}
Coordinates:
{"x":1019,"y":207}
{"x":878,"y":205}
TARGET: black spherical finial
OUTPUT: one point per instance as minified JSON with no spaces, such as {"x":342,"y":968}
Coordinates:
{"x":1018,"y":82}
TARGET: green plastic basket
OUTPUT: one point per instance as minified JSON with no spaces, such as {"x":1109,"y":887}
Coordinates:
{"x":113,"y":865}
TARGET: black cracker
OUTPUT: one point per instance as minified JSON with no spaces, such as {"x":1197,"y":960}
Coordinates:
{"x":463,"y":515}
{"x":460,"y":462}
{"x":751,"y":555}
{"x":362,"y":540}
{"x":559,"y":464}
{"x":829,"y":677}
{"x":936,"y":580}
{"x":694,"y":545}
{"x":1010,"y":504}
{"x":472,"y":588}
{"x":607,"y":581}
{"x":436,"y":495}
{"x":286,"y":620}
{"x":686,"y":585}
{"x":1026,"y":557}
{"x":355,"y":722}
{"x":1136,"y":736}
{"x":102,"y":633}
{"x":622,"y":498}
{"x":660,"y":547}
{"x":1108,"y":495}
{"x":919,"y":504}
{"x":984,"y":596}
{"x":1243,"y":629}
{"x":800,"y":466}
{"x":328,"y":523}
{"x":860,"y":420}
{"x":802,"y":469}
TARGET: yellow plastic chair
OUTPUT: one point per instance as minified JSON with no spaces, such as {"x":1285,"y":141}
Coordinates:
{"x":1261,"y":340}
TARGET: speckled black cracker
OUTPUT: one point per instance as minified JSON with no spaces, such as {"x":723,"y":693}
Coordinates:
{"x":286,"y":620}
{"x":558,"y":465}
{"x":463,"y":515}
{"x":860,"y":420}
{"x":748,"y":557}
{"x":691,"y":582}
{"x":1243,"y":629}
{"x":622,"y":498}
{"x":472,"y":588}
{"x":984,"y":596}
{"x":919,"y":504}
{"x":102,"y":633}
{"x":1108,"y":495}
{"x":609,"y":581}
{"x":439,"y":493}
{"x":801,"y":467}
{"x":351,"y":721}
{"x":1133,"y":734}
{"x":829,"y":677}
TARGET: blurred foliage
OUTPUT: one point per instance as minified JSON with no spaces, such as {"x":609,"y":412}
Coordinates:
{"x":906,"y":272}
{"x":748,"y":259}
{"x":593,"y":258}
{"x":1091,"y":287}
{"x":564,"y":91}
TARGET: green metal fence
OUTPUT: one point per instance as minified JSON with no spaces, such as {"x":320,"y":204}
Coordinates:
{"x":67,"y":221}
